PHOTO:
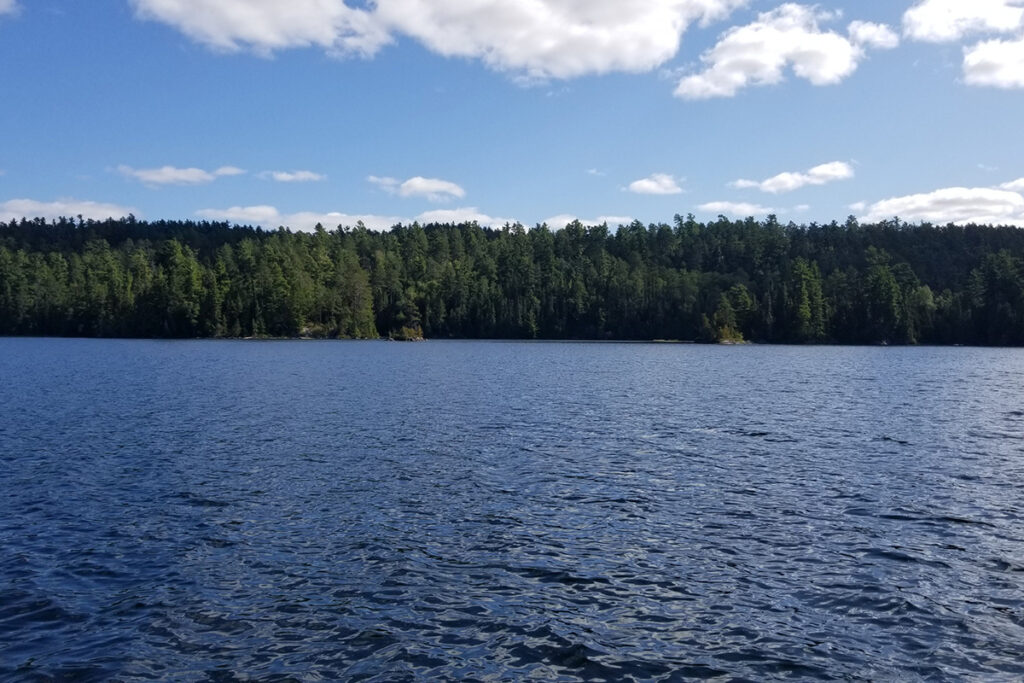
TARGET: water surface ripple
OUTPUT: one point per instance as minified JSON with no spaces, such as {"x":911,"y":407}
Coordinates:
{"x":504,"y":511}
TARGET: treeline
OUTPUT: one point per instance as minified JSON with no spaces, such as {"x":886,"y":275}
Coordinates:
{"x":719,"y":281}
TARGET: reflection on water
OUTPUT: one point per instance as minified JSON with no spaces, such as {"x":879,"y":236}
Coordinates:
{"x":360,"y":510}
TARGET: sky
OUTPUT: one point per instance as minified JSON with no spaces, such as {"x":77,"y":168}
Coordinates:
{"x":266,"y":112}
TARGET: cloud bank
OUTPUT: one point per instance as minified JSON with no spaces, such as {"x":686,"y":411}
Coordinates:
{"x":736,"y":209}
{"x":957,"y":205}
{"x":563,"y":219}
{"x":270,"y":217}
{"x":16,"y":209}
{"x":537,"y":39}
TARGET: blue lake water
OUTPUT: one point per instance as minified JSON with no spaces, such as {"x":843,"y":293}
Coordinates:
{"x":221,"y":510}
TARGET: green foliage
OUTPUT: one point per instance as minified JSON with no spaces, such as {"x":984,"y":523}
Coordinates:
{"x":719,"y":281}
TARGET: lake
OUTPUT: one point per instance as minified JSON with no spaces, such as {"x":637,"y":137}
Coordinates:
{"x":227,"y":510}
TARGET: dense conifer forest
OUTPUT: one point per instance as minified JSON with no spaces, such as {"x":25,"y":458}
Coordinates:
{"x":724,"y":280}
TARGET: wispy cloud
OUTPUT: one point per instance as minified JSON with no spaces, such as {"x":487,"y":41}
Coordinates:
{"x":656,"y":183}
{"x":789,"y":181}
{"x":293,"y":176}
{"x":432,"y":189}
{"x":172,"y":175}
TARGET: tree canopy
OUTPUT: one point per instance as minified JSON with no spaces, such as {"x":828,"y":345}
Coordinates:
{"x":724,"y":280}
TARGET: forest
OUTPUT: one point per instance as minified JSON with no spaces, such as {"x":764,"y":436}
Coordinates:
{"x":719,"y":281}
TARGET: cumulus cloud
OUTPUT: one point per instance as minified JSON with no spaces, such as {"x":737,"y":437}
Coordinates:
{"x":15,"y":209}
{"x":433,"y":189}
{"x":736,"y":209}
{"x":268,"y":25}
{"x":293,"y":176}
{"x":1014,"y":185}
{"x":269,"y":217}
{"x":958,"y":205}
{"x":939,"y":21}
{"x":758,"y":53}
{"x":171,"y":175}
{"x":789,"y":181}
{"x":538,"y":39}
{"x":874,"y":35}
{"x":995,"y":63}
{"x":554,"y":38}
{"x":656,"y":183}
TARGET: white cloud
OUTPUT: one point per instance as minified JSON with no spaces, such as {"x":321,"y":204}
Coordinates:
{"x":293,"y":176}
{"x":536,"y":39}
{"x":995,"y":63}
{"x":869,"y":34}
{"x":433,"y":189}
{"x":656,"y":183}
{"x":1014,"y":185}
{"x":950,"y":20}
{"x":15,"y":209}
{"x":269,"y":217}
{"x":858,"y":206}
{"x":957,"y":205}
{"x":463,"y":215}
{"x":758,"y":53}
{"x":614,"y":220}
{"x":171,"y":175}
{"x":789,"y":181}
{"x":268,"y":25}
{"x":554,"y":38}
{"x":595,"y":172}
{"x":8,"y":7}
{"x":563,"y":219}
{"x":738,"y":209}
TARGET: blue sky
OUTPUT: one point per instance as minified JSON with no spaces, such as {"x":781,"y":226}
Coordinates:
{"x":269,"y":112}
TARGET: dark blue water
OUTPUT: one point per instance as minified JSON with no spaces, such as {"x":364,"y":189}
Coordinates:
{"x":384,"y":511}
